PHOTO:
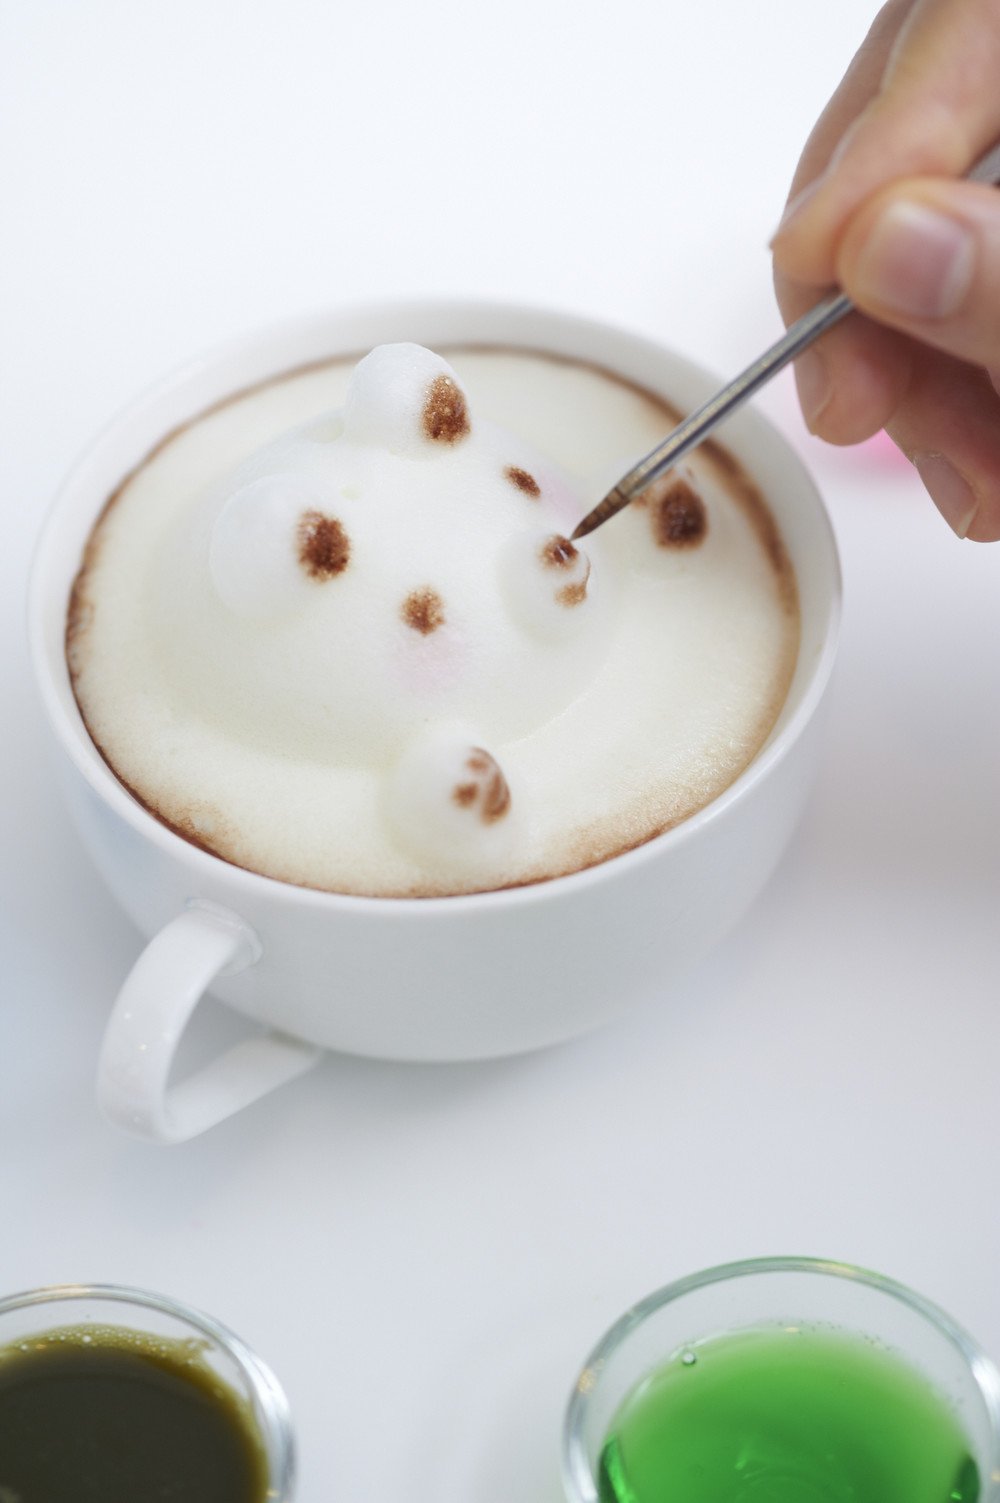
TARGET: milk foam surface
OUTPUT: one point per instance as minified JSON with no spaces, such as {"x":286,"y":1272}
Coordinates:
{"x":334,"y":630}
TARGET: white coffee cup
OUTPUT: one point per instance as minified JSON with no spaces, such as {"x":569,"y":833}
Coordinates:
{"x":453,"y":978}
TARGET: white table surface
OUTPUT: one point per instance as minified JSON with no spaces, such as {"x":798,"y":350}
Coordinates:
{"x":424,"y":1254}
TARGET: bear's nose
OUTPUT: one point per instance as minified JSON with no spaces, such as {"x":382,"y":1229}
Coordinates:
{"x":423,"y":610}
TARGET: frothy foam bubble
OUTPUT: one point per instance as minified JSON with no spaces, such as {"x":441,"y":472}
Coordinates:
{"x":548,"y":585}
{"x":448,"y":801}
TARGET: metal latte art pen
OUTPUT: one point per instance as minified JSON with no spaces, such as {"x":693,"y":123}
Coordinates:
{"x":700,"y":424}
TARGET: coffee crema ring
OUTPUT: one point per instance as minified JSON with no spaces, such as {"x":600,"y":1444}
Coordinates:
{"x":367,"y":656}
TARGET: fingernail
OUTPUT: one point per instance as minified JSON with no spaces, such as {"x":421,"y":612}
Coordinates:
{"x":915,"y":262}
{"x":952,"y":495}
{"x":813,"y":384}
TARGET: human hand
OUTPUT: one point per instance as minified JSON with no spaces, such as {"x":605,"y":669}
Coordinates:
{"x":875,"y":208}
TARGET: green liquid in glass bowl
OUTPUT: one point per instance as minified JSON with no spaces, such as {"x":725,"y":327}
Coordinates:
{"x":786,"y":1415}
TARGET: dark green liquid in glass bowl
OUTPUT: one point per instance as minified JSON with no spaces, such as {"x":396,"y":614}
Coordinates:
{"x":91,"y":1415}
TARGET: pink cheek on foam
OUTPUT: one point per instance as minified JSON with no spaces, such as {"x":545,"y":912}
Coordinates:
{"x":430,"y":666}
{"x":561,"y":502}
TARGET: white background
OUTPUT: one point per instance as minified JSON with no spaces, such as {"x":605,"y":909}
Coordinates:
{"x":425,"y":1254}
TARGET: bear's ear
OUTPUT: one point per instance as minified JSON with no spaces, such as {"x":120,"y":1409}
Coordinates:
{"x":271,"y":539}
{"x":405,"y":399}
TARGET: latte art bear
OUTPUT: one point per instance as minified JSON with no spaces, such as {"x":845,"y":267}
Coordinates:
{"x":363,"y":654}
{"x":392,"y":592}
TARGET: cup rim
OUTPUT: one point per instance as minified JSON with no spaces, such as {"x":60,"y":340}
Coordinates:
{"x":272,"y":1403}
{"x":75,"y":741}
{"x":577,"y":1474}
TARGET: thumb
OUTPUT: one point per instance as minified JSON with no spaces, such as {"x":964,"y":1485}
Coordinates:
{"x":923,"y":256}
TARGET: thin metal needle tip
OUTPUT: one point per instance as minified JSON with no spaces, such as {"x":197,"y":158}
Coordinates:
{"x":695,"y":428}
{"x":612,"y":503}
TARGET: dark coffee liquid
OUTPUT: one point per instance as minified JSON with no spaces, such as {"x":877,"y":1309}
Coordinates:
{"x":91,"y":1416}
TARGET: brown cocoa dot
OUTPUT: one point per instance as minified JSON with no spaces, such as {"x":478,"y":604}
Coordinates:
{"x":496,"y":798}
{"x":446,"y":416}
{"x":572,"y":594}
{"x":324,"y":547}
{"x":423,"y":610}
{"x":558,"y":552}
{"x":679,"y":519}
{"x":488,"y":790}
{"x":524,"y":482}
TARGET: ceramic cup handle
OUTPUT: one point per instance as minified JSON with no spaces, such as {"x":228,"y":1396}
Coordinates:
{"x":159,"y":995}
